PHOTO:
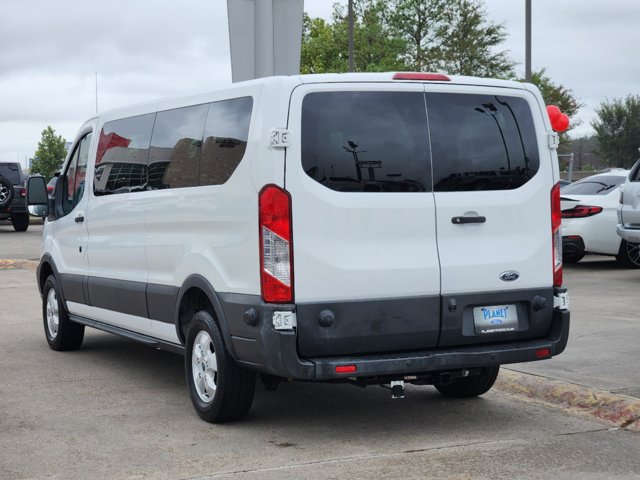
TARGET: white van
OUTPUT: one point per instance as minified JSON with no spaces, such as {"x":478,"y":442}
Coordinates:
{"x":383,"y":228}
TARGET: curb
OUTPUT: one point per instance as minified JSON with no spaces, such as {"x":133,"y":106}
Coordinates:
{"x":619,"y":410}
{"x":6,"y":264}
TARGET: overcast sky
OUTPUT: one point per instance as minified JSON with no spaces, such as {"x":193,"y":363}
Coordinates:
{"x":144,"y":49}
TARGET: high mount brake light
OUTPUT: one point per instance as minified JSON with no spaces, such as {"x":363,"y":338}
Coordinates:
{"x":276,"y":248}
{"x":556,"y":221}
{"x":430,"y":77}
{"x":581,"y":211}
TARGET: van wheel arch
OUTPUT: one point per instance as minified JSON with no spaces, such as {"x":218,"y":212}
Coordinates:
{"x":197,"y":294}
{"x":46,"y":268}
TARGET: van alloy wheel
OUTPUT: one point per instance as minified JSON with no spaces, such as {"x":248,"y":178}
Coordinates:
{"x":53,"y":315}
{"x":204,"y":366}
{"x":61,"y":333}
{"x":220,"y":390}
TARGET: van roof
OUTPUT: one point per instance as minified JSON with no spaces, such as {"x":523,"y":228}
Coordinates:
{"x":291,"y":82}
{"x":389,"y":77}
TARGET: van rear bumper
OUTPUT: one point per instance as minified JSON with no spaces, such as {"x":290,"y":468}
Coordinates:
{"x":275,"y":352}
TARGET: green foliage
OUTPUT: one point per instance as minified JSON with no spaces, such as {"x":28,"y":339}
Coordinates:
{"x":50,"y":154}
{"x":562,"y":97}
{"x":453,"y":36}
{"x":417,"y":22}
{"x":555,"y":94}
{"x":618,"y":130}
{"x":325,"y":46}
{"x":467,"y":40}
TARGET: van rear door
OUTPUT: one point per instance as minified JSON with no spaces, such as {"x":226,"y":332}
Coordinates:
{"x":492,"y":181}
{"x":366,"y":272}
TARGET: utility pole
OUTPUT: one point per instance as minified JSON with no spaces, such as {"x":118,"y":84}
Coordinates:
{"x":351,"y":36}
{"x":527,"y":62}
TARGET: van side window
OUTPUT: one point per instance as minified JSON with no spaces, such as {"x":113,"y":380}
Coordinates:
{"x":175,"y":147}
{"x":366,"y":141}
{"x":225,"y":139}
{"x":76,"y":175}
{"x":481,"y":142}
{"x":123,"y":151}
{"x":634,"y":176}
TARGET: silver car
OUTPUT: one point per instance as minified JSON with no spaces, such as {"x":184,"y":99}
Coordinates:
{"x":629,"y":209}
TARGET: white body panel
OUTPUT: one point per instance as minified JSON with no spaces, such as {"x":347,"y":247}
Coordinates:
{"x":629,"y":210}
{"x":517,"y":233}
{"x":358,"y":245}
{"x":598,"y":231}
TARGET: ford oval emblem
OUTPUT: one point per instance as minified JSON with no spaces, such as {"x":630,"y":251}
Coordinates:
{"x":509,"y":276}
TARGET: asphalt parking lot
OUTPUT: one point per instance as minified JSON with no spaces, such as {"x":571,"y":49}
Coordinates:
{"x":117,"y":409}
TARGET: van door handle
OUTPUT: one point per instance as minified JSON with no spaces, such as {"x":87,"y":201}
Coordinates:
{"x":80,"y":218}
{"x":474,"y":219}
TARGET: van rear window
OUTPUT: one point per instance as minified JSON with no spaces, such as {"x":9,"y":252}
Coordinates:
{"x":481,"y":142}
{"x":393,"y":141}
{"x":366,"y":141}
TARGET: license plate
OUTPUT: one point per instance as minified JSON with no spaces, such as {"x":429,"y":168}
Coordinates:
{"x":495,"y":319}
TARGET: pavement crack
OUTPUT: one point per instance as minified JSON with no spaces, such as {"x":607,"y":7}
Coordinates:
{"x":374,"y":456}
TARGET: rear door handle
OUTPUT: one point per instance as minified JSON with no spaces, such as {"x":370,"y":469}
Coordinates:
{"x":80,"y":218}
{"x":474,"y":219}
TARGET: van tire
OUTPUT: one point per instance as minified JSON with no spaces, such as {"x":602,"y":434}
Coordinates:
{"x":470,"y":386}
{"x":220,"y":390}
{"x":62,"y":334}
{"x":629,"y":255}
{"x":20,"y":222}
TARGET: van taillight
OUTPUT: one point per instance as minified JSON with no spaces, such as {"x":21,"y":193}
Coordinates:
{"x":556,"y":220}
{"x":276,"y":248}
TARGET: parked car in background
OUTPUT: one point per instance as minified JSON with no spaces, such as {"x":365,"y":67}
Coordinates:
{"x":589,"y":219}
{"x":12,"y":196}
{"x":629,"y":211}
{"x":51,"y":186}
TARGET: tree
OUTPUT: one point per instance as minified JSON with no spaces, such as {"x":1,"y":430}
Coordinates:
{"x":618,"y":130}
{"x":452,"y":36}
{"x":325,"y":45}
{"x":50,"y":154}
{"x":418,"y":23}
{"x":556,"y":94}
{"x":466,"y":42}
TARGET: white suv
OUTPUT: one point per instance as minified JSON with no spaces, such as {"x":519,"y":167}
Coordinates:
{"x":364,"y":228}
{"x":629,"y":213}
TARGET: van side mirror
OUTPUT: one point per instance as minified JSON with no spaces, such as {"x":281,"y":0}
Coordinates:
{"x":37,"y":195}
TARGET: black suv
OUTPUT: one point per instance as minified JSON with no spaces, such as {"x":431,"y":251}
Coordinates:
{"x":12,"y":193}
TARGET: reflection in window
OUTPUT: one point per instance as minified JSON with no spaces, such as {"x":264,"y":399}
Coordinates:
{"x":225,"y":139}
{"x":75,"y":177}
{"x":594,"y":185}
{"x":481,"y":142}
{"x":123,"y":150}
{"x":175,"y":147}
{"x":366,"y":141}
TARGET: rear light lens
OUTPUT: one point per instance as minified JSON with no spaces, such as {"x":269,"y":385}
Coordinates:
{"x":276,"y":248}
{"x":543,"y":352}
{"x":581,"y":211}
{"x":430,"y":77}
{"x":23,"y":192}
{"x":346,"y":369}
{"x":556,"y":221}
